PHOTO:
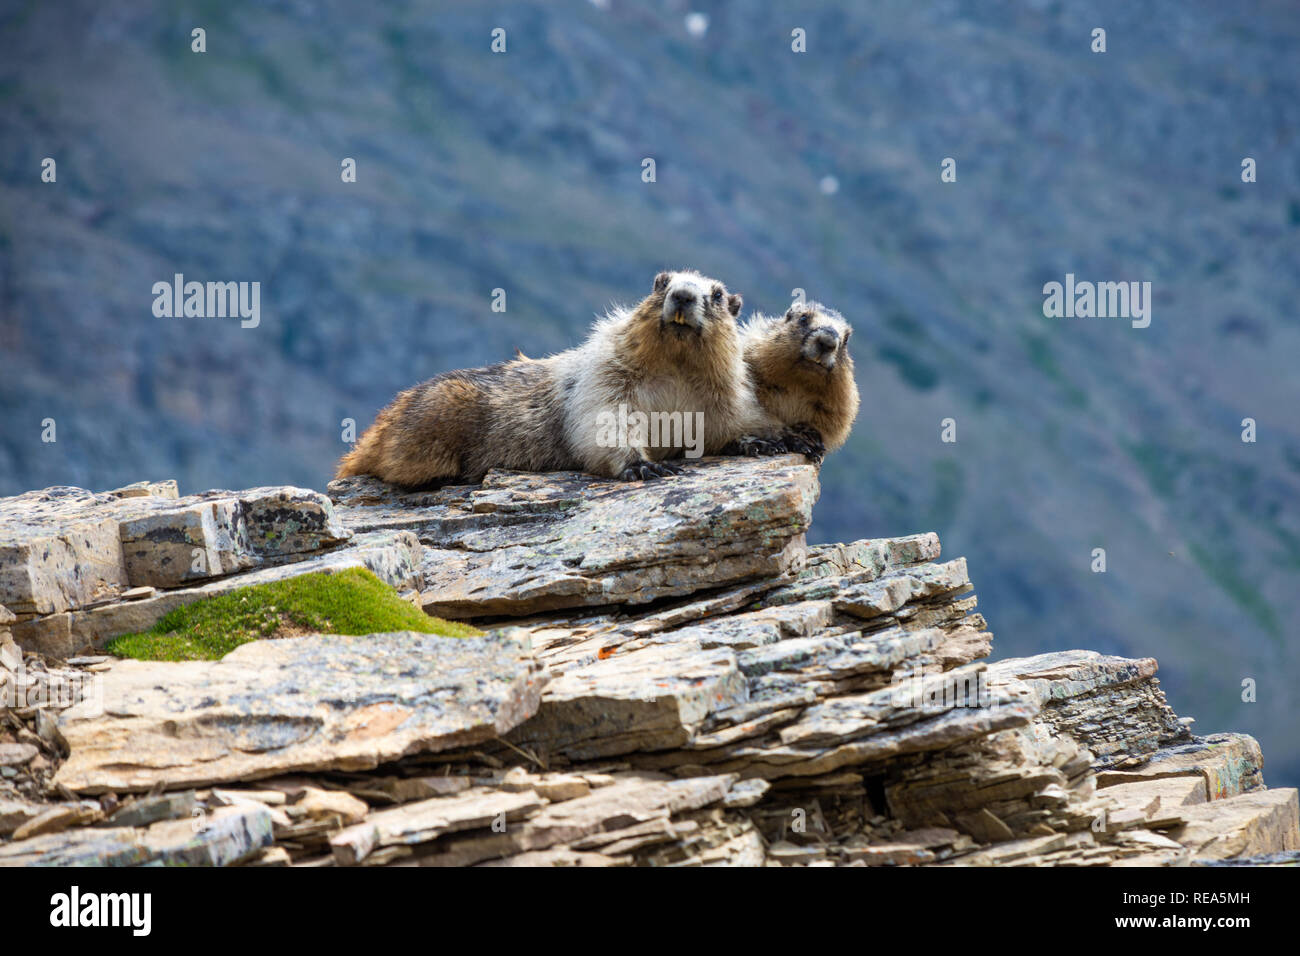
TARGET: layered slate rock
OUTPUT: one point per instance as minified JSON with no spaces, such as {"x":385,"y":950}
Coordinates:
{"x":638,"y":703}
{"x":801,"y":685}
{"x":1224,"y":765}
{"x":457,"y":831}
{"x":219,"y":533}
{"x":1249,"y":824}
{"x":393,"y":557}
{"x":67,"y":548}
{"x":295,"y":704}
{"x":78,"y":567}
{"x":649,"y":701}
{"x":59,"y":548}
{"x":523,"y":543}
{"x":1111,"y":705}
{"x":224,"y":837}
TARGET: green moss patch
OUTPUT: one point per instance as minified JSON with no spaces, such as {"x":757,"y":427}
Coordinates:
{"x":349,"y":602}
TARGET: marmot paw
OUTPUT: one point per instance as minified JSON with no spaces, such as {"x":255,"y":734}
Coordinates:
{"x":645,"y":470}
{"x":755,"y":447}
{"x":805,"y":440}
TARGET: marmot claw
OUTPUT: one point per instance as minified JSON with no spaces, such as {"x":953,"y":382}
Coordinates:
{"x":805,"y":440}
{"x":756,"y":447}
{"x":645,"y":470}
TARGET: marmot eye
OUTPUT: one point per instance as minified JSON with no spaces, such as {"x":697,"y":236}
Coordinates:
{"x":803,"y":320}
{"x":717,"y":295}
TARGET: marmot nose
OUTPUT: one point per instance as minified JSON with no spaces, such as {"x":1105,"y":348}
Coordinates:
{"x":683,"y":298}
{"x":826,"y":341}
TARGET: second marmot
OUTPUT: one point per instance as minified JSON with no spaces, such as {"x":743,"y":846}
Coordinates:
{"x":803,"y":373}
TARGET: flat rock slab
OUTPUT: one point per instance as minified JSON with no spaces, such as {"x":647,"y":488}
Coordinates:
{"x":59,"y":548}
{"x":870,"y":555}
{"x":426,"y":820}
{"x":832,"y":570}
{"x":1226,"y":764}
{"x":1112,"y":705}
{"x":392,"y":556}
{"x":1165,"y":794}
{"x":15,"y":812}
{"x":1249,"y":824}
{"x":66,"y":548}
{"x":629,"y":802}
{"x":849,"y":732}
{"x":296,"y":704}
{"x":755,"y":629}
{"x":653,"y":699}
{"x":223,"y":532}
{"x":891,"y":591}
{"x":1060,"y":675}
{"x":148,"y":489}
{"x":225,"y":836}
{"x":522,"y":543}
{"x":626,"y":803}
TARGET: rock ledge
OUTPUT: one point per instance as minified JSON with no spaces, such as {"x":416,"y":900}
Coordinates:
{"x":671,"y":677}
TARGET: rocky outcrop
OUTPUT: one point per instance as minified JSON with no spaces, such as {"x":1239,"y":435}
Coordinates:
{"x":307,"y":703}
{"x":227,"y":835}
{"x":522,"y":543}
{"x":671,"y":677}
{"x":64,"y":548}
{"x":77,"y":568}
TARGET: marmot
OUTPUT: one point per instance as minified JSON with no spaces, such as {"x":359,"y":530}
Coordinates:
{"x":676,"y":359}
{"x":803,"y":374}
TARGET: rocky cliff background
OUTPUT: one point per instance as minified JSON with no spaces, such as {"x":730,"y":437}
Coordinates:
{"x":522,"y":171}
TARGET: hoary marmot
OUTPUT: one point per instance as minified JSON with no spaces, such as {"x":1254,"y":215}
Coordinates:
{"x":803,"y":373}
{"x":651,"y":383}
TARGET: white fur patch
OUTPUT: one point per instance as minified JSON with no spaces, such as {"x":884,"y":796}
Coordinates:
{"x":691,"y":282}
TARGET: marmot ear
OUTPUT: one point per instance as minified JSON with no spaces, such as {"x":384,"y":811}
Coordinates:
{"x":661,"y":281}
{"x":789,"y":314}
{"x":734,"y":304}
{"x":848,"y":334}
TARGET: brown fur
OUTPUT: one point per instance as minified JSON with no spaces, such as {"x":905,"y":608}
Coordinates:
{"x":540,"y":414}
{"x":690,"y":370}
{"x":795,"y":389}
{"x":459,"y":424}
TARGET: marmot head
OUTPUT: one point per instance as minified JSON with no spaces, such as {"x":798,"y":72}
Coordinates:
{"x":817,"y":338}
{"x":803,"y":371}
{"x":689,"y":305}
